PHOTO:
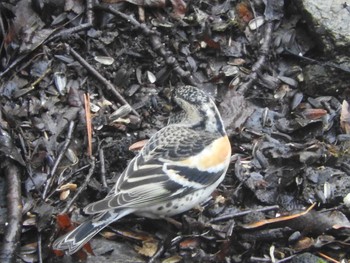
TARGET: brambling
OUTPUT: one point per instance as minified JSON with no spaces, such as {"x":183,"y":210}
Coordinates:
{"x":177,"y":169}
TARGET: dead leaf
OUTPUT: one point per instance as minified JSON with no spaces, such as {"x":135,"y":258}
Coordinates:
{"x":148,"y":249}
{"x":64,"y":195}
{"x":304,"y":243}
{"x":314,"y":114}
{"x":137,"y":146}
{"x":189,"y":243}
{"x":179,"y":8}
{"x":63,"y":221}
{"x":244,"y":13}
{"x":69,"y":186}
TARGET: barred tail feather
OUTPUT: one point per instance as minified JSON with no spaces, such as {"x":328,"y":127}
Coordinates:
{"x":78,"y":237}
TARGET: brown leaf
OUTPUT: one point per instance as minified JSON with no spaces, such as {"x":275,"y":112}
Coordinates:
{"x":189,"y":243}
{"x":179,"y":8}
{"x":64,"y":222}
{"x":304,"y":243}
{"x":137,"y":146}
{"x":243,"y":11}
{"x":314,"y":114}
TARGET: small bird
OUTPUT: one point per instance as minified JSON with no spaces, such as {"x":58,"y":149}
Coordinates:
{"x":177,"y":169}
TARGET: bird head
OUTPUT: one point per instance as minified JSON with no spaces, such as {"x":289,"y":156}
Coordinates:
{"x":199,"y":109}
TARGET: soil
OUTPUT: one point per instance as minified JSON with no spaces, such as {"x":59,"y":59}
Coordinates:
{"x":70,"y":65}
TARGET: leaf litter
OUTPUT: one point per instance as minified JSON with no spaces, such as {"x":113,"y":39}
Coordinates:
{"x":290,"y":141}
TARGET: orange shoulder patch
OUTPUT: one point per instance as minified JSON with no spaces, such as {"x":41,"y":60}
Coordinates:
{"x":216,"y":154}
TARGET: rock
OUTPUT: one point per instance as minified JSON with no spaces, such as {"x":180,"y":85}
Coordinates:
{"x":325,"y":80}
{"x":307,"y":257}
{"x":330,"y":21}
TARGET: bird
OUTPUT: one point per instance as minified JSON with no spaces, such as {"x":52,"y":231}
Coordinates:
{"x":177,"y":169}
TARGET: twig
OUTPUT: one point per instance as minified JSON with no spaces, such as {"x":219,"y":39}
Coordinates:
{"x":69,"y":31}
{"x":12,"y":233}
{"x":52,"y":176}
{"x":242,"y":213}
{"x":27,"y":159}
{"x":287,"y":259}
{"x":54,"y":36}
{"x":103,"y":168}
{"x":105,"y":82}
{"x":40,"y":248}
{"x":70,"y":115}
{"x":328,"y":257}
{"x":89,"y":13}
{"x":68,"y":177}
{"x":156,"y":43}
{"x":82,"y":187}
{"x":40,"y":78}
{"x":88,"y":122}
{"x":264,"y":50}
{"x":159,"y":252}
{"x":14,"y":64}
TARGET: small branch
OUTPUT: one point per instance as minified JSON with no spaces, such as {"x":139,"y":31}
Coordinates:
{"x":40,"y":248}
{"x":54,"y":36}
{"x":14,"y":64}
{"x":242,"y":213}
{"x":89,"y":13}
{"x":88,"y":122}
{"x":264,"y":50}
{"x":69,"y":31}
{"x":12,"y":233}
{"x":82,"y":187}
{"x":156,"y":256}
{"x":105,"y":82}
{"x":103,"y":168}
{"x":51,"y":177}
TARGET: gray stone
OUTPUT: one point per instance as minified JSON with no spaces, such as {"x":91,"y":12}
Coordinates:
{"x":330,"y":21}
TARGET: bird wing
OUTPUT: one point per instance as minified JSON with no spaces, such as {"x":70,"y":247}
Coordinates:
{"x":172,"y":164}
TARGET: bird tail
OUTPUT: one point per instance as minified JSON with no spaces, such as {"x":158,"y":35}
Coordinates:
{"x":78,"y":237}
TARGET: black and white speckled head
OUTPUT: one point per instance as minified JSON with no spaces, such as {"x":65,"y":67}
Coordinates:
{"x":191,"y":94}
{"x":200,"y":110}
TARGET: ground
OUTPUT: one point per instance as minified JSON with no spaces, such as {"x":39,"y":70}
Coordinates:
{"x":65,"y":64}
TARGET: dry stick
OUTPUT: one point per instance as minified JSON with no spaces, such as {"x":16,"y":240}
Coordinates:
{"x":89,"y":13}
{"x":108,"y":85}
{"x":103,"y":168}
{"x":159,"y":252}
{"x":242,"y":213}
{"x":156,"y":43}
{"x":264,"y":50}
{"x":27,"y":159}
{"x":14,"y":214}
{"x":88,"y":123}
{"x":40,"y":248}
{"x":328,"y":257}
{"x":82,"y":187}
{"x":52,"y":176}
{"x":69,"y":31}
{"x":64,"y":32}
